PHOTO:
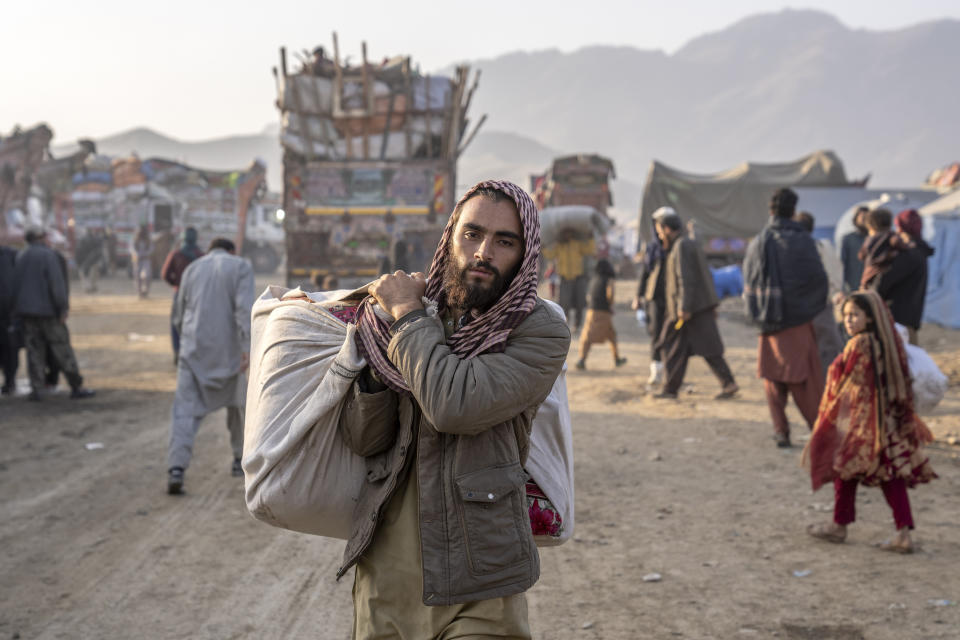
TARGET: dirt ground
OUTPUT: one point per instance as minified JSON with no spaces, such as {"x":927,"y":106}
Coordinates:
{"x":693,"y":490}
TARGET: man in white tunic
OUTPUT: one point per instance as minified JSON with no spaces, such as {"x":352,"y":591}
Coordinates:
{"x":212,"y":314}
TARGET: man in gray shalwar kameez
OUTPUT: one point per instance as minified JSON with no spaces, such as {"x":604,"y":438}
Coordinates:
{"x":212,"y":314}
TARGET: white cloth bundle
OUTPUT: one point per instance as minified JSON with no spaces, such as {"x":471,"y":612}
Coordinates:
{"x":929,"y":383}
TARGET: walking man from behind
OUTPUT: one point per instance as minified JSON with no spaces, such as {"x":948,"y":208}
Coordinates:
{"x":441,"y":536}
{"x":41,"y":304}
{"x":212,"y":316}
{"x":785,"y":287}
{"x":690,"y":316}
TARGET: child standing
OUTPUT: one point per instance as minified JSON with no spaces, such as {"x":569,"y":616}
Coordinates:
{"x":867,"y":431}
{"x":598,"y":327}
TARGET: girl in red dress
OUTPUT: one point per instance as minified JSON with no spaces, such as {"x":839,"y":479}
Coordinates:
{"x":867,"y":431}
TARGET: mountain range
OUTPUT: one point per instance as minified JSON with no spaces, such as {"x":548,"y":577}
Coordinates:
{"x":772,"y":87}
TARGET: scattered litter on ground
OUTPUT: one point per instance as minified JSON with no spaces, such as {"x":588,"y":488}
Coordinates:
{"x":137,"y":337}
{"x":897,"y":605}
{"x":652,"y":577}
{"x":655,"y":457}
{"x":940,"y":603}
{"x":587,"y":625}
{"x":90,"y":446}
{"x":802,"y":573}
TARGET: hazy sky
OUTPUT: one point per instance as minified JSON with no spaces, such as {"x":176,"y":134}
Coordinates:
{"x":198,"y":70}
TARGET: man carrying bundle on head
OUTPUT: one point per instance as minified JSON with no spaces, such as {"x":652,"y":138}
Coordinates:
{"x":441,"y":536}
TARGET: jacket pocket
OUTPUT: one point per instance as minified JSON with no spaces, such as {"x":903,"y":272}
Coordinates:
{"x":492,"y":515}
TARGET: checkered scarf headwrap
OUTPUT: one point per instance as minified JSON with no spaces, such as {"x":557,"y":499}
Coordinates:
{"x":482,"y":333}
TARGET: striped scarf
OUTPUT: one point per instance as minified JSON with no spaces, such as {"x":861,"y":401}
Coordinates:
{"x":480,"y":333}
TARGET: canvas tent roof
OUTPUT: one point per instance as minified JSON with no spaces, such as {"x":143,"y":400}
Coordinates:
{"x":733,"y":203}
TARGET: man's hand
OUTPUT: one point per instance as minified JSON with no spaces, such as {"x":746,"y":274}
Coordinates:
{"x":244,"y":361}
{"x":636,"y":304}
{"x":399,"y":294}
{"x":685,"y":315}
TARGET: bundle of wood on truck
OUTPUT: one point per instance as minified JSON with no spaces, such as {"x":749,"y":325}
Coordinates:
{"x":21,"y":155}
{"x":369,"y":163}
{"x":374,"y":111}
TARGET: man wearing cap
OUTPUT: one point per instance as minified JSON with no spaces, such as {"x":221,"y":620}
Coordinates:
{"x":441,"y":537}
{"x":41,"y":304}
{"x":651,"y":294}
{"x":785,"y":287}
{"x":690,"y":317}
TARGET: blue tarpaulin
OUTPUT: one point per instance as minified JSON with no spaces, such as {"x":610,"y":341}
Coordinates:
{"x":941,"y":229}
{"x":728,"y":281}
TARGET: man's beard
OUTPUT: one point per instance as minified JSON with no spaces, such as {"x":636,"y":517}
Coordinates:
{"x":462,"y":294}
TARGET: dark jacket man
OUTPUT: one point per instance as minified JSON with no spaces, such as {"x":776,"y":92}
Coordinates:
{"x":785,"y":284}
{"x":904,"y":285}
{"x":40,"y":289}
{"x":785,"y":287}
{"x":41,"y":303}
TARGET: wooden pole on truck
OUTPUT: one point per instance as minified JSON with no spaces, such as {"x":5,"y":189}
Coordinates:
{"x":454,"y":135}
{"x":447,"y":122}
{"x":367,"y":106}
{"x":473,"y":88}
{"x":304,"y":127}
{"x":386,"y":126}
{"x":322,"y":121}
{"x":427,"y":116}
{"x":338,"y":92}
{"x":408,"y":116}
{"x":473,"y":133}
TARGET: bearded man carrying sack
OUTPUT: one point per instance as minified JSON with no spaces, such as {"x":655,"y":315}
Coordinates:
{"x":441,"y":535}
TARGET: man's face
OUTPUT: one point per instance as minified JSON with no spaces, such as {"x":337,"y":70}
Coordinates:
{"x":664,"y":233}
{"x":485,"y":253}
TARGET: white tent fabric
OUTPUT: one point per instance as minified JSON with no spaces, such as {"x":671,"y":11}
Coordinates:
{"x":941,"y":229}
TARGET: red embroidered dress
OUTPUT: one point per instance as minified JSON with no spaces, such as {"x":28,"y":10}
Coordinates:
{"x":864,"y":430}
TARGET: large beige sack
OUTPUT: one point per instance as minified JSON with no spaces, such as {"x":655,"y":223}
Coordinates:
{"x":299,"y":473}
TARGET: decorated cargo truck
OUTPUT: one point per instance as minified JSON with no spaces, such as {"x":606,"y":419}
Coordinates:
{"x":370,"y":163}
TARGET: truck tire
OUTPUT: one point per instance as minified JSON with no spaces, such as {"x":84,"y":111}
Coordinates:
{"x":264,"y":260}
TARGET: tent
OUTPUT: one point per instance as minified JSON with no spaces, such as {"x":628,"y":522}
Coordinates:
{"x":941,"y":229}
{"x":733,"y":204}
{"x":833,"y":207}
